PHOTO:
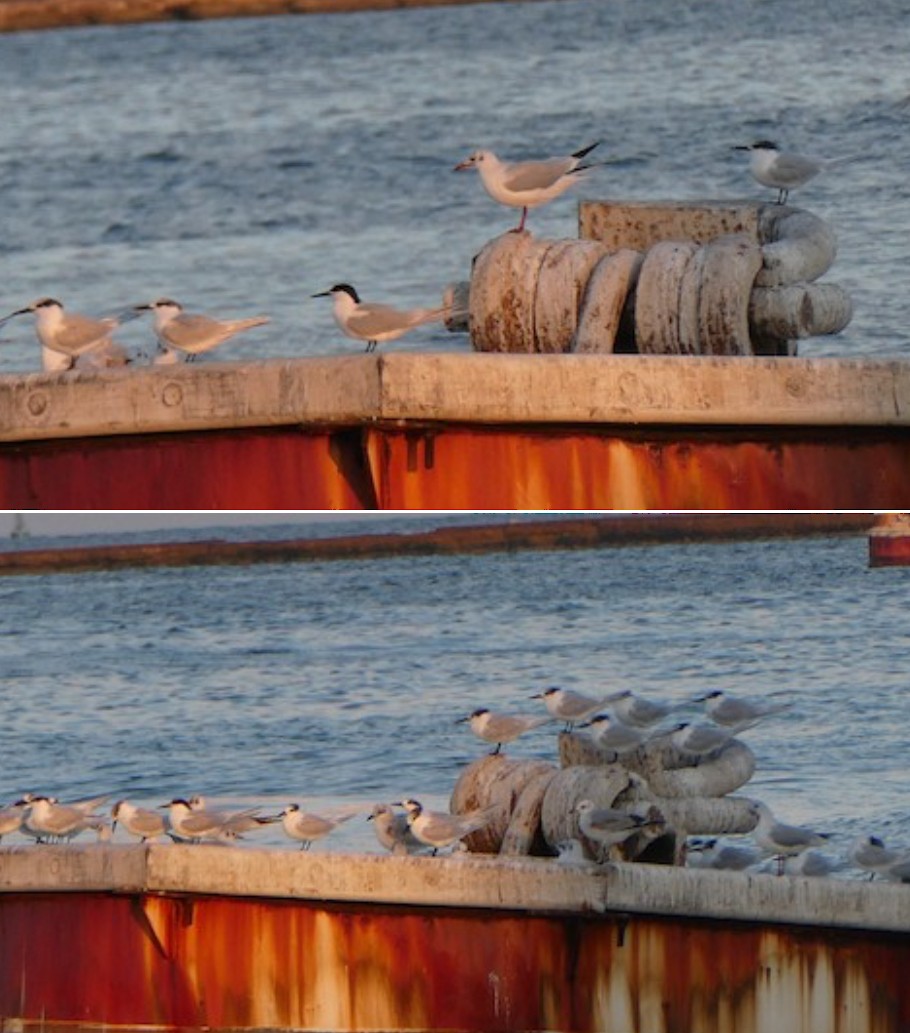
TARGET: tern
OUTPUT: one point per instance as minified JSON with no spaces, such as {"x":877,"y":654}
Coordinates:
{"x":46,"y":818}
{"x":871,"y":854}
{"x":700,"y":740}
{"x":527,"y":184}
{"x":196,"y":823}
{"x":11,"y":817}
{"x":638,"y":712}
{"x":138,"y":821}
{"x":568,"y":705}
{"x":392,"y":829}
{"x":782,"y":840}
{"x":735,"y":711}
{"x":437,"y":829}
{"x":191,"y":333}
{"x":373,"y":322}
{"x":722,"y":856}
{"x":500,"y":728}
{"x":306,"y":828}
{"x":611,"y":734}
{"x":67,"y":334}
{"x":783,"y":170}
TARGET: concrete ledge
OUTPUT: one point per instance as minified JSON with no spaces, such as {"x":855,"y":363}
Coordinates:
{"x":457,"y":388}
{"x":461,"y":881}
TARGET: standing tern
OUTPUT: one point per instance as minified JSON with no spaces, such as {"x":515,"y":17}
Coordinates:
{"x":437,"y":829}
{"x":392,"y":829}
{"x":611,"y":734}
{"x":138,"y":821}
{"x":782,"y":840}
{"x":638,"y":712}
{"x":568,"y":705}
{"x":710,"y":853}
{"x":735,"y":711}
{"x":46,"y":818}
{"x":191,"y":333}
{"x":11,"y":817}
{"x":306,"y":828}
{"x":373,"y":322}
{"x":196,"y":823}
{"x":67,"y":334}
{"x":500,"y":728}
{"x":871,"y":854}
{"x":527,"y":184}
{"x":783,"y":170}
{"x":700,"y":740}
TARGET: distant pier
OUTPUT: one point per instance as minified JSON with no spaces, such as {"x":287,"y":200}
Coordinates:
{"x":20,"y":15}
{"x":568,"y":533}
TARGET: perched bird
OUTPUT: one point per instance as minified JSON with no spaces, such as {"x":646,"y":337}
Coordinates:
{"x":711,"y":853}
{"x":11,"y":817}
{"x":500,"y":728}
{"x":735,"y":711}
{"x":871,"y":854}
{"x":568,"y":705}
{"x":782,"y":170}
{"x":782,"y":840}
{"x":899,"y":870}
{"x":190,"y":333}
{"x":572,"y":851}
{"x":700,"y":740}
{"x":306,"y":828}
{"x":45,"y":818}
{"x":810,"y":864}
{"x":199,"y":822}
{"x":392,"y":829}
{"x":638,"y":712}
{"x":611,"y":734}
{"x":607,"y":825}
{"x":65,"y":336}
{"x":437,"y":829}
{"x":373,"y":322}
{"x":527,"y":184}
{"x":138,"y":821}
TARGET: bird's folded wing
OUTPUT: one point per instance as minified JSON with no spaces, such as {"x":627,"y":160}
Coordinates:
{"x":537,"y":175}
{"x":79,"y":333}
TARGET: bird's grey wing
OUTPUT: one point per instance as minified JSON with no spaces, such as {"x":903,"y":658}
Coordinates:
{"x":440,"y":826}
{"x":373,"y":319}
{"x":795,"y":168}
{"x":147,"y":823}
{"x":791,"y":835}
{"x":188,"y":331}
{"x":537,"y":175}
{"x":79,"y":333}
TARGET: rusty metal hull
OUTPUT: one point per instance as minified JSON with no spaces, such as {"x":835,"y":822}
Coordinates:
{"x":452,"y":466}
{"x":196,"y":962}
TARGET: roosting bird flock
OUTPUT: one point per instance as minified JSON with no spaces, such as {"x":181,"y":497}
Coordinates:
{"x":619,"y":722}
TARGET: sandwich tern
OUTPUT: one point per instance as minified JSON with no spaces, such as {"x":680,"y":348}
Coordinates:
{"x":783,"y":170}
{"x":11,"y":817}
{"x":782,"y":840}
{"x":138,"y":821}
{"x":305,"y":827}
{"x":568,"y":705}
{"x":196,"y":823}
{"x":527,"y":184}
{"x":191,"y":333}
{"x":810,"y":864}
{"x":45,"y":818}
{"x":700,"y":740}
{"x":501,"y":728}
{"x":67,"y":334}
{"x":371,"y":321}
{"x":638,"y":712}
{"x":736,"y":711}
{"x":612,"y":734}
{"x":711,"y":853}
{"x":871,"y":854}
{"x":392,"y":829}
{"x":607,"y":825}
{"x":437,"y":829}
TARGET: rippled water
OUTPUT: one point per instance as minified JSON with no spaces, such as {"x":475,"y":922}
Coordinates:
{"x":340,"y":683}
{"x":242,"y":165}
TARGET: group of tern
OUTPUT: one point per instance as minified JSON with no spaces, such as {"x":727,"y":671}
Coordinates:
{"x":68,"y":338}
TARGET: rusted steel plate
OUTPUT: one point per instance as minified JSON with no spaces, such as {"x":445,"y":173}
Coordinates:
{"x":657,"y":468}
{"x":263,"y":468}
{"x":451,"y":466}
{"x":234,"y":963}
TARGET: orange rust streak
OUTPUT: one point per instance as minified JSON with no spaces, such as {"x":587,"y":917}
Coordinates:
{"x":97,"y":959}
{"x":615,"y":468}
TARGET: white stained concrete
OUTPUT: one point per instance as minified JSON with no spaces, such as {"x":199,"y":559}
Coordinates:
{"x":461,"y":880}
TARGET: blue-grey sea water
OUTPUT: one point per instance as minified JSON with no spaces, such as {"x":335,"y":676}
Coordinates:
{"x":337,"y":684}
{"x":240,"y":166}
